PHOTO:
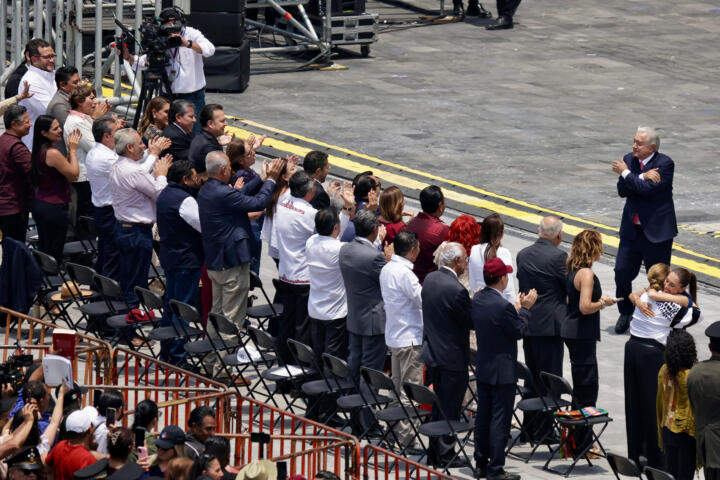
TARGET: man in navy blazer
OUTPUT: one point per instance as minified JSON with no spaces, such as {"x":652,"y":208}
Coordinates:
{"x":498,"y":327}
{"x":226,"y":232}
{"x":648,"y":223}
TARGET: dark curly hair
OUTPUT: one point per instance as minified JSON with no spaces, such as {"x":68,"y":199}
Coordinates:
{"x":680,"y":352}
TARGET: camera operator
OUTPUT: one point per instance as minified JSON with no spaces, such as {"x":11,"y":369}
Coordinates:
{"x":185,"y":72}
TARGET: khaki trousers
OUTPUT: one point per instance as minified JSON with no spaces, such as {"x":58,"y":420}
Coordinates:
{"x":405,"y":368}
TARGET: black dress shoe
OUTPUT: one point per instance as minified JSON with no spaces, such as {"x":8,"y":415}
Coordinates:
{"x":456,"y":463}
{"x":480,"y":472}
{"x":475,"y":9}
{"x":623,"y":323}
{"x":458,"y":10}
{"x":502,"y":23}
{"x":505,"y":476}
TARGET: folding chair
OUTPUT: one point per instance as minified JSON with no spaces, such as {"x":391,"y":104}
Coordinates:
{"x":420,"y":394}
{"x":557,"y":387}
{"x":93,"y":307}
{"x":113,"y":296}
{"x":530,"y":403}
{"x":213,"y":344}
{"x":623,"y":466}
{"x":655,"y":474}
{"x":267,"y":359}
{"x":269,"y":310}
{"x":392,"y":415}
{"x":52,"y":280}
{"x":151,"y":302}
{"x":190,"y":327}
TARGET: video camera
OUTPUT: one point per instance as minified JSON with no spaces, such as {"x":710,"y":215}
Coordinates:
{"x":11,"y":371}
{"x":156,"y":36}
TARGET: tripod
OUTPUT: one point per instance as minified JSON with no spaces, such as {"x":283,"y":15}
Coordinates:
{"x":154,"y":82}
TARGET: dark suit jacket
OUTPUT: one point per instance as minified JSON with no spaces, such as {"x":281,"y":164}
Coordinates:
{"x":202,"y":144}
{"x":180,"y":147}
{"x":653,"y":202}
{"x":446,"y":321}
{"x":542,"y":266}
{"x":20,"y":276}
{"x":704,"y":394}
{"x":321,"y":199}
{"x":226,"y":231}
{"x":360,"y":265}
{"x":498,"y":327}
{"x":12,"y":86}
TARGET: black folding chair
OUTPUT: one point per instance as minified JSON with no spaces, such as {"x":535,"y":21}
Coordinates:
{"x":557,"y":387}
{"x":93,"y":307}
{"x":215,"y":345}
{"x":117,"y":320}
{"x":655,"y":474}
{"x":190,"y":327}
{"x":267,"y":311}
{"x":52,"y":280}
{"x":420,"y":394}
{"x":623,"y":466}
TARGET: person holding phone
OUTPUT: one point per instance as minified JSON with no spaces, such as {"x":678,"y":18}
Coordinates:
{"x":110,"y":409}
{"x":146,"y":416}
{"x":170,"y":445}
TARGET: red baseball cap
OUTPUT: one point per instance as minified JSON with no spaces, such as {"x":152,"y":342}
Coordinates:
{"x":495,"y":268}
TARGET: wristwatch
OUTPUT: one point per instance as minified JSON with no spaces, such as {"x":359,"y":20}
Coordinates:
{"x":190,"y":43}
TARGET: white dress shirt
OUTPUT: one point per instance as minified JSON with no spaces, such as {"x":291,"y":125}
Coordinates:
{"x":327,"y":299}
{"x":79,"y":121}
{"x":134,"y":191}
{"x":400,"y":290}
{"x":658,"y":327}
{"x":43,"y":88}
{"x":294,"y":222}
{"x":190,"y":212}
{"x":476,"y":262}
{"x":186,"y":65}
{"x":98,"y":162}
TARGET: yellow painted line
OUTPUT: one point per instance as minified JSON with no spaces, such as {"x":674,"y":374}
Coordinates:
{"x":505,"y":210}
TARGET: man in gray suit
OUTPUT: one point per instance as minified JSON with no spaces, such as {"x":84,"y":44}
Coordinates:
{"x":360,"y":264}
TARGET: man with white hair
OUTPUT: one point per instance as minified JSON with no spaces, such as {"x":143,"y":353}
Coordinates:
{"x":648,"y":223}
{"x":446,"y":346}
{"x":542,"y":266}
{"x":227,"y":235}
{"x":134,"y":191}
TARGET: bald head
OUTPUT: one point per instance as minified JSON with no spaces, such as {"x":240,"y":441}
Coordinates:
{"x":550,"y":228}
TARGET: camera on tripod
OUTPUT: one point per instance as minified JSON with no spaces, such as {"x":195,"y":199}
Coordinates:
{"x":11,"y":371}
{"x":155,"y":40}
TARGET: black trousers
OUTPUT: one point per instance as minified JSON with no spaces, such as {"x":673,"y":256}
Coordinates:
{"x":331,"y":337}
{"x":450,"y":387}
{"x":365,"y":351}
{"x":711,"y":473}
{"x":15,"y":226}
{"x":52,"y":225}
{"x":295,"y":323}
{"x":108,"y":256}
{"x":84,"y":207}
{"x":492,"y":426}
{"x":679,"y":454}
{"x":542,"y":354}
{"x":631,"y":254}
{"x":643,"y":359}
{"x":583,"y":364}
{"x":507,"y":8}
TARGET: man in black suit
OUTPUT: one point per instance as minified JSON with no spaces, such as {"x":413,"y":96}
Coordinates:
{"x":446,"y":348}
{"x":648,"y":223}
{"x":211,"y":138}
{"x":542,"y":266}
{"x":317,"y":165}
{"x":498,"y":326}
{"x":179,"y":130}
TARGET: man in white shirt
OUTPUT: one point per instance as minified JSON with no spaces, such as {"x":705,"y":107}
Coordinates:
{"x":134,"y":192}
{"x":327,"y":304}
{"x":401,"y":293}
{"x":185,"y":72}
{"x":295,"y":223}
{"x":41,"y":78}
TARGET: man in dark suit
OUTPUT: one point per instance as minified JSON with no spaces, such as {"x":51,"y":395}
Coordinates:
{"x":446,"y":347}
{"x":179,"y":130}
{"x":226,"y":234}
{"x":360,"y":264}
{"x":648,"y":223}
{"x":211,"y":138}
{"x":498,"y":327}
{"x":317,"y":165}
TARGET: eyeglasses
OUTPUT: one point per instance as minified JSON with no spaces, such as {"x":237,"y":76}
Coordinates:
{"x":46,"y":57}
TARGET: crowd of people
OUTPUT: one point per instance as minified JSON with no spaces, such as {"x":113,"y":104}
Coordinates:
{"x":359,"y":277}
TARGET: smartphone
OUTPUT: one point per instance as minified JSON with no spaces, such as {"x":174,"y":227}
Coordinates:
{"x":142,"y":453}
{"x":110,"y":415}
{"x":140,"y":439}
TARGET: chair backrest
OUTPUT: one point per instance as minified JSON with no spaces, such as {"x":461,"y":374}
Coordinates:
{"x":108,"y":287}
{"x":150,"y":299}
{"x":262,"y":339}
{"x":655,"y":474}
{"x":47,"y":264}
{"x":377,"y":379}
{"x":623,"y":466}
{"x":255,"y":281}
{"x":420,"y":393}
{"x":82,"y":274}
{"x":337,"y":366}
{"x":555,"y":385}
{"x":222,"y":324}
{"x":524,"y":374}
{"x":185,"y":311}
{"x":302,"y":353}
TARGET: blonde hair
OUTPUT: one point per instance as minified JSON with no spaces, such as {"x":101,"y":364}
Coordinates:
{"x":391,"y":203}
{"x":657,"y":274}
{"x":586,"y":246}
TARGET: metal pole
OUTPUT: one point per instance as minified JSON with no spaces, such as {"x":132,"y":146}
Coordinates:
{"x":78,"y":37}
{"x":3,"y":37}
{"x":59,"y":20}
{"x":128,"y":68}
{"x":118,"y":58}
{"x":16,"y":35}
{"x":48,"y":20}
{"x":158,"y":7}
{"x":97,"y":81}
{"x":25,"y":22}
{"x":38,"y":31}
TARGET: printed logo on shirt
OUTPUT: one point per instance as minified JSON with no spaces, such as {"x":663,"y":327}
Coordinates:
{"x":290,"y":206}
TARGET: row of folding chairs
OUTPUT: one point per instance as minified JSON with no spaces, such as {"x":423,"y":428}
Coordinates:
{"x":628,"y":468}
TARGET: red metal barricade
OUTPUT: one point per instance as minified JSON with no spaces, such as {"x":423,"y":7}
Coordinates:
{"x":381,"y":464}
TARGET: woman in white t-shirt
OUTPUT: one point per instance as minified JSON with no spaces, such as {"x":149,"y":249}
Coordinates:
{"x":491,"y":235}
{"x":282,"y":189}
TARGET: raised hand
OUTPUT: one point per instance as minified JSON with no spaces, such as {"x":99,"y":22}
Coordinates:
{"x":274,"y":169}
{"x":239,"y":183}
{"x":372,"y":200}
{"x":619,"y":166}
{"x":25,"y":93}
{"x":348,"y":195}
{"x":161,"y":167}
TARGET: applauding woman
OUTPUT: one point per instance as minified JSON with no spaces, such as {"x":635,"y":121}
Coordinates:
{"x":52,"y":173}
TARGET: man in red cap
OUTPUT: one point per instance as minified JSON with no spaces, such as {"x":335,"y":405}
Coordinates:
{"x":498,"y":325}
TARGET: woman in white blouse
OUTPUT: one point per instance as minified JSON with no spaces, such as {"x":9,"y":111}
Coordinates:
{"x":491,"y":235}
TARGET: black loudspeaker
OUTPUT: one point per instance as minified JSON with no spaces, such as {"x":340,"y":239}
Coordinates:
{"x":338,"y":7}
{"x":226,"y":29}
{"x":229,"y":69}
{"x":230,"y":6}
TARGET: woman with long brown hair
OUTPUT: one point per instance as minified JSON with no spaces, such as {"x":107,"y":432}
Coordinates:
{"x":392,"y":206}
{"x":155,"y":118}
{"x":282,"y":189}
{"x":491,"y":234}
